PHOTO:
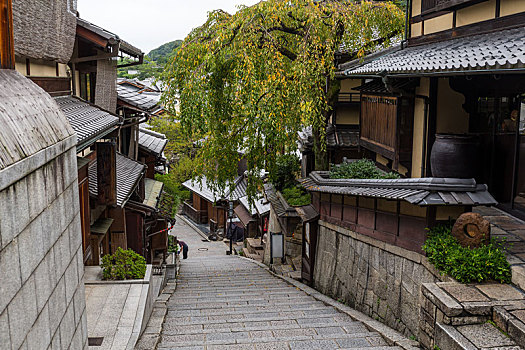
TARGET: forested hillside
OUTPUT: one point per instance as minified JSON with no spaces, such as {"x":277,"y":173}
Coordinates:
{"x":154,"y":62}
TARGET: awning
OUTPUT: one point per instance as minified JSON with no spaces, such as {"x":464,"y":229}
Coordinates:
{"x":243,"y":215}
{"x":419,"y":191}
{"x":497,"y":51}
{"x":101,"y":226}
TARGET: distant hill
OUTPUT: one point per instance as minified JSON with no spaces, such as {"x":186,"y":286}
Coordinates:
{"x":154,"y":62}
{"x":164,"y":51}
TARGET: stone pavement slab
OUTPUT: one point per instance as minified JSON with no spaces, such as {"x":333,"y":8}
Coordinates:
{"x":226,"y":302}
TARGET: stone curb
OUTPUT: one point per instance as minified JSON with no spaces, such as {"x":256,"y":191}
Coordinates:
{"x":192,"y":225}
{"x":391,"y":336}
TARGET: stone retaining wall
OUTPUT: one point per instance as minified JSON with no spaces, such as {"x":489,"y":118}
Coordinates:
{"x":374,"y":277}
{"x":42,"y":303}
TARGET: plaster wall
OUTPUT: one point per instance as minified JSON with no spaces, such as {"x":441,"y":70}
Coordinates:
{"x":348,"y":85}
{"x":510,"y":7}
{"x":451,"y":117}
{"x":416,"y":7}
{"x":376,"y":278}
{"x":476,"y":13}
{"x":438,"y":24}
{"x":348,"y":115}
{"x":42,"y":303}
{"x":419,"y":117}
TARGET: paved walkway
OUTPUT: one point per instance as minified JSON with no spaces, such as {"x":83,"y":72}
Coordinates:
{"x":226,"y":302}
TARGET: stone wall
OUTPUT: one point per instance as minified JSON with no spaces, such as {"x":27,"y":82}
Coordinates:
{"x":374,"y":277}
{"x":42,"y":302}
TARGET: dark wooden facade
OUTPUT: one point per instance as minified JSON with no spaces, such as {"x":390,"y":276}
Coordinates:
{"x":386,"y":124}
{"x":392,"y":221}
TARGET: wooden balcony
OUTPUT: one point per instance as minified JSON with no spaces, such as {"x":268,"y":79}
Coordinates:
{"x":198,"y":216}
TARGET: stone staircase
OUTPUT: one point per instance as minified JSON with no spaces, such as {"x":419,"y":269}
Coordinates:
{"x":223,"y":303}
{"x":254,"y":249}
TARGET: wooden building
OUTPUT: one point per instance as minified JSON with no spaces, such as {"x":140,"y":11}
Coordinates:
{"x":457,"y":82}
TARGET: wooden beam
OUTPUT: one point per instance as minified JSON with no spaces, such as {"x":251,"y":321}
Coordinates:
{"x":107,"y":173}
{"x":90,"y":36}
{"x":7,"y":42}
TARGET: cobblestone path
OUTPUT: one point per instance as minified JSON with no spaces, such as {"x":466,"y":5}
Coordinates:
{"x":224,"y":302}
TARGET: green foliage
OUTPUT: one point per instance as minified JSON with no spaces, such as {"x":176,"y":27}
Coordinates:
{"x":164,"y":52}
{"x":172,"y":245}
{"x":154,"y":62}
{"x":252,"y":80}
{"x":179,"y":142}
{"x":285,"y":171}
{"x":466,"y":265}
{"x":123,"y":265}
{"x":359,"y":169}
{"x":296,"y":196}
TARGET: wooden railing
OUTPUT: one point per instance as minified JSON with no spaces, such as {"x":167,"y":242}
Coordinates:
{"x":198,"y":216}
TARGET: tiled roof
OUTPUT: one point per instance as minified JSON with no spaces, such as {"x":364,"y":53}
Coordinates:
{"x":136,"y":99}
{"x":152,"y":192}
{"x":503,"y":49}
{"x":243,"y":214}
{"x":152,"y":141}
{"x":124,"y":46}
{"x":261,"y":206}
{"x":278,"y":203}
{"x":205,"y":189}
{"x":90,"y":122}
{"x":335,"y":137}
{"x":129,"y":172}
{"x":418,"y":191}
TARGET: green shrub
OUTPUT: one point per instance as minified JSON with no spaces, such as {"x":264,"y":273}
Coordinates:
{"x":296,"y":196}
{"x":123,"y":265}
{"x":359,"y":169}
{"x":466,"y":265}
{"x":286,"y":168}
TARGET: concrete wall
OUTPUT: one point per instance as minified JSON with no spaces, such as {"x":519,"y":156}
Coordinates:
{"x":376,"y":278}
{"x":42,"y":301}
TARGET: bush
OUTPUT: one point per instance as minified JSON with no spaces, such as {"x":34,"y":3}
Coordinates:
{"x":286,"y":168}
{"x":466,"y":265}
{"x":123,"y":265}
{"x":296,"y":196}
{"x":359,"y":169}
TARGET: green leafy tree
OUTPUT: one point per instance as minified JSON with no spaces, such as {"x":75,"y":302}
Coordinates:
{"x":251,"y":80}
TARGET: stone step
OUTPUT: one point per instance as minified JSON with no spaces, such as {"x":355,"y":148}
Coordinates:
{"x":361,"y":340}
{"x":203,"y":320}
{"x":173,"y":328}
{"x":309,"y":310}
{"x":254,"y":243}
{"x":471,"y":337}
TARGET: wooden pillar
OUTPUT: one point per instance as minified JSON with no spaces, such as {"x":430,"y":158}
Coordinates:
{"x":7,"y":42}
{"x":107,"y":173}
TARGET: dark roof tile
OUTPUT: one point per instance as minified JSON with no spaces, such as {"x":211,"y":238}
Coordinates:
{"x":89,"y":122}
{"x":129,"y":173}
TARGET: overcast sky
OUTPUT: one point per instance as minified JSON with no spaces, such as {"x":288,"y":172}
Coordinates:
{"x":151,"y":23}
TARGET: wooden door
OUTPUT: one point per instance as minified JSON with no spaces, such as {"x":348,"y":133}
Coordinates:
{"x":308,"y":251}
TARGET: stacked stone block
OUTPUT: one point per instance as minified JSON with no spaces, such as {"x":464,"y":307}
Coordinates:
{"x":376,"y":278}
{"x":451,"y":310}
{"x":42,"y":303}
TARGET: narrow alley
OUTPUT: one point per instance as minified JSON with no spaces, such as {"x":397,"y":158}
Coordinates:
{"x":229,"y":302}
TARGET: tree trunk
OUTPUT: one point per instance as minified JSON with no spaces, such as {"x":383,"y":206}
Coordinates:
{"x":320,"y":153}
